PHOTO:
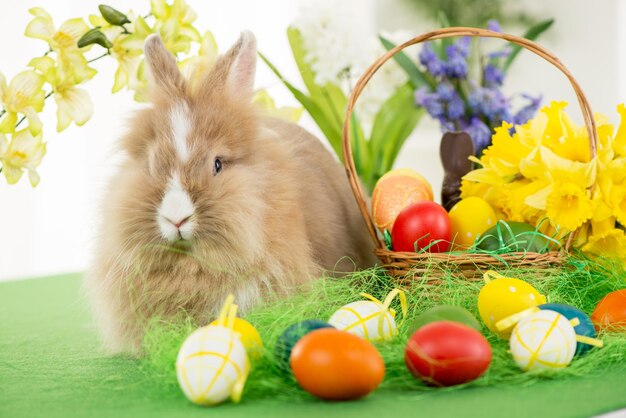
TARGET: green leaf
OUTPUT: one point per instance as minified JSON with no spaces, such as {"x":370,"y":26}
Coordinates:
{"x":306,"y":72}
{"x":398,"y":133}
{"x":443,"y":21}
{"x":328,"y":128}
{"x":330,"y":97}
{"x":393,"y":123}
{"x":417,"y":78}
{"x":532,"y":34}
{"x":360,"y":148}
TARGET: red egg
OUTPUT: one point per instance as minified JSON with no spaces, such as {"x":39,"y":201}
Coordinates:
{"x":610,"y":312}
{"x":336,"y":365}
{"x":446,"y":353}
{"x":419,"y":225}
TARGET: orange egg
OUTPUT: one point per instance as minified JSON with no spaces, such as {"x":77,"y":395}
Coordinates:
{"x":394,"y":191}
{"x":610,"y":312}
{"x":336,"y":365}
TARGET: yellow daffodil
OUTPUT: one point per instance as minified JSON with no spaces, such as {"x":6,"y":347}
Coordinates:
{"x":505,"y":153}
{"x":128,"y":51}
{"x":264,"y":101}
{"x":73,"y":103}
{"x":568,"y":206}
{"x":519,"y":209}
{"x":610,"y":243}
{"x":24,"y":95}
{"x":23,"y":152}
{"x":548,"y":165}
{"x":141,"y":84}
{"x":562,"y":136}
{"x":198,"y":64}
{"x":63,"y":42}
{"x":619,"y":142}
{"x":174,"y":22}
{"x":617,"y":202}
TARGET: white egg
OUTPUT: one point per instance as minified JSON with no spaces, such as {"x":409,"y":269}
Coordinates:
{"x":212,"y":365}
{"x":367,"y":319}
{"x":543,"y":340}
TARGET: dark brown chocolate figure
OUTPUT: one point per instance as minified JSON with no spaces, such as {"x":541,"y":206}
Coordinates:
{"x":455,"y":149}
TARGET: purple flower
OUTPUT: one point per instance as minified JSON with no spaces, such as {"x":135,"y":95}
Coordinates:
{"x":456,"y":66}
{"x":446,"y":91}
{"x":429,"y":59}
{"x":494,"y":25}
{"x":480,"y":133}
{"x":463,"y":45}
{"x":493,"y":76}
{"x":528,"y":111}
{"x":455,"y":107}
{"x":500,"y":53}
{"x":446,"y":125}
{"x":430,"y":102}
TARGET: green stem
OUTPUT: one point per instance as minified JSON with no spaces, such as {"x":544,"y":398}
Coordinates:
{"x":19,"y":122}
{"x":101,"y":56}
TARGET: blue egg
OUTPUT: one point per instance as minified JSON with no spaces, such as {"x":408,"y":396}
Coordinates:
{"x":585,"y":327}
{"x":289,"y":338}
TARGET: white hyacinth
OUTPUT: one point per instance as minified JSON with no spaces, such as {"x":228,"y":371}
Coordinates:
{"x":339,"y":48}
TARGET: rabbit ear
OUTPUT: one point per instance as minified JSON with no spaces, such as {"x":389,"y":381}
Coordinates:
{"x":243,"y":66}
{"x":162,"y":65}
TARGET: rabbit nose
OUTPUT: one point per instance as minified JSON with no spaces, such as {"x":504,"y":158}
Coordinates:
{"x":178,"y":223}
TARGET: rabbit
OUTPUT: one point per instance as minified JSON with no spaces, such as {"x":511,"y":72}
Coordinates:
{"x":214,"y":198}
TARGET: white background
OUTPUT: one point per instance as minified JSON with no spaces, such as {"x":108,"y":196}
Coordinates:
{"x":50,"y":229}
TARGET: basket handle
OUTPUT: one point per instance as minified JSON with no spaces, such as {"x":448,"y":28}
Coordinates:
{"x":353,"y":177}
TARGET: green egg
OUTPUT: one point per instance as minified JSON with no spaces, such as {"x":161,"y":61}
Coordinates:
{"x":445,"y":313}
{"x":513,"y":237}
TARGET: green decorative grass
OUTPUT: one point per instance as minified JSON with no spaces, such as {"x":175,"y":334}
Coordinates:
{"x":580,"y":283}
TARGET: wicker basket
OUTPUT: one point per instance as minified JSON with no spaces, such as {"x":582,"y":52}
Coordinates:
{"x":471,"y":266}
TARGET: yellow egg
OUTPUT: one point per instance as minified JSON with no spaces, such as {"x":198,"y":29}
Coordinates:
{"x":470,"y":217}
{"x":249,"y":336}
{"x":503,"y":297}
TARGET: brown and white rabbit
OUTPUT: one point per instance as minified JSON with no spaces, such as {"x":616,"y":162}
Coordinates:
{"x":214,"y":198}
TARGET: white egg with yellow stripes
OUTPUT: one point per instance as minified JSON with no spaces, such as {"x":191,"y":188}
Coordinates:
{"x":370,"y":319}
{"x":543,"y":340}
{"x":212,"y":365}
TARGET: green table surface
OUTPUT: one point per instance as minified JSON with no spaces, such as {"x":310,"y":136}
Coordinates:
{"x":51,"y":366}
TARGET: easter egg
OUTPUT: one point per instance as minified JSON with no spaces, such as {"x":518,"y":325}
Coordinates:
{"x":394,"y":191}
{"x":610,"y":312}
{"x":446,"y":353}
{"x":212,"y":366}
{"x":445,"y":313}
{"x":584,"y":328}
{"x":336,"y":365}
{"x":421,"y":225}
{"x":543,"y":340}
{"x":503,"y":297}
{"x":469,"y":218}
{"x":513,"y":237}
{"x":367,"y":319}
{"x":248,"y":335}
{"x":289,"y":338}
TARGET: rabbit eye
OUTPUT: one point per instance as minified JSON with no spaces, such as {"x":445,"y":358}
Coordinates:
{"x":217,"y":166}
